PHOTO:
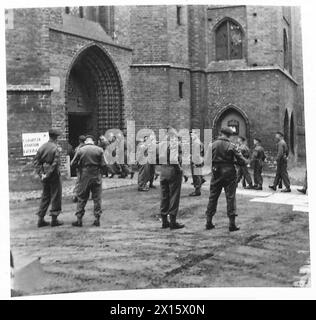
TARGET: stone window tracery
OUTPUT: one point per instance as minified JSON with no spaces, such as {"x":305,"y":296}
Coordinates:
{"x":229,"y":41}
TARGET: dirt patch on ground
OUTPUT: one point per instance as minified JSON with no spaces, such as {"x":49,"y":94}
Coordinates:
{"x":131,"y":251}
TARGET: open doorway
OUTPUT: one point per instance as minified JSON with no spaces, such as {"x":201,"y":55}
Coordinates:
{"x":78,"y":124}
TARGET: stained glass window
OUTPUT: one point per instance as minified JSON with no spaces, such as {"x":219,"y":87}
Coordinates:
{"x":228,"y":41}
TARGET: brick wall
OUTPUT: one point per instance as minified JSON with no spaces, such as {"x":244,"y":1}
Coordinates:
{"x":149,"y":34}
{"x":260,"y":94}
{"x":178,"y":44}
{"x":44,"y":43}
{"x":27,"y":54}
{"x":27,"y":112}
{"x":150,"y":97}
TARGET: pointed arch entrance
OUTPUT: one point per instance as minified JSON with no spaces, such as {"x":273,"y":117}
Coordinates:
{"x":94,"y":94}
{"x":233,"y":117}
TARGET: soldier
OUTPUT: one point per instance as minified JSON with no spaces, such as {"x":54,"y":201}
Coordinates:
{"x":90,"y":159}
{"x":125,"y":168}
{"x":115,"y":168}
{"x":104,"y":143}
{"x":82,"y":139}
{"x":170,"y":181}
{"x":224,"y":157}
{"x":152,"y":167}
{"x":257,"y":159}
{"x":242,"y":172}
{"x":196,"y":166}
{"x":47,"y":162}
{"x":281,"y":160}
{"x":144,"y":169}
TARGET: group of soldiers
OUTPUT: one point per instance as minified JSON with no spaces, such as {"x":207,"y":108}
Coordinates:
{"x":229,"y":163}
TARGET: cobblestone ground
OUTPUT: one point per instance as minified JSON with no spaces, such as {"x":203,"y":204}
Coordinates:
{"x":131,"y":251}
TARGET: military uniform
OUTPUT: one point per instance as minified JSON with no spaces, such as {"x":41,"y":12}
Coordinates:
{"x":224,"y":157}
{"x":196,"y":170}
{"x":170,"y":185}
{"x":90,"y":159}
{"x":243,"y":173}
{"x":281,"y":172}
{"x":46,"y":163}
{"x":144,"y":167}
{"x":78,"y":172}
{"x":258,"y":157}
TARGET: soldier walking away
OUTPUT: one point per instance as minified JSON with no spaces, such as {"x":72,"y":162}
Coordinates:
{"x":82,"y":139}
{"x":196,"y":166}
{"x":242,"y":172}
{"x":170,"y":180}
{"x":46,"y":163}
{"x":224,"y":157}
{"x":281,"y":173}
{"x":90,"y":159}
{"x":304,"y":189}
{"x":257,"y":159}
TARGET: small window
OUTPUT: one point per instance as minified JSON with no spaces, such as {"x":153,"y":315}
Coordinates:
{"x":228,"y":41}
{"x":179,"y":11}
{"x":181,"y":90}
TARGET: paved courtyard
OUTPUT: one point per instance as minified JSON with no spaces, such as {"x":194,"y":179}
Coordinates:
{"x":131,"y":251}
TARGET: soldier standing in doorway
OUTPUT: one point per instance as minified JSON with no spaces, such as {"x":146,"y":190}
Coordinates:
{"x":224,"y":157}
{"x":46,"y":163}
{"x":170,"y":180}
{"x":242,"y":172}
{"x":90,"y":159}
{"x":281,"y":159}
{"x":258,"y":157}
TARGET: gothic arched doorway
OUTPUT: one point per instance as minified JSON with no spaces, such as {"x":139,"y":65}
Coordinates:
{"x":286,"y":127}
{"x":94,"y":95}
{"x":234,"y":118}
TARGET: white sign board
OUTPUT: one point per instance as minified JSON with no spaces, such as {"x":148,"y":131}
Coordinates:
{"x":32,"y":141}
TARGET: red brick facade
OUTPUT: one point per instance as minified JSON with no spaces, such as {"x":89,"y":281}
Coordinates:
{"x":153,"y":64}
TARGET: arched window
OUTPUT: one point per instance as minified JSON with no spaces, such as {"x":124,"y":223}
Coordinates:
{"x":229,"y":38}
{"x":285,"y":50}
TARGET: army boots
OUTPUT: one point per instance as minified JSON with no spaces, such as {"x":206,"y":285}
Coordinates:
{"x":55,"y":222}
{"x":96,"y":222}
{"x":195,"y":193}
{"x":42,"y":223}
{"x":77,"y":223}
{"x":165,"y":222}
{"x":174,"y":224}
{"x":232,"y":224}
